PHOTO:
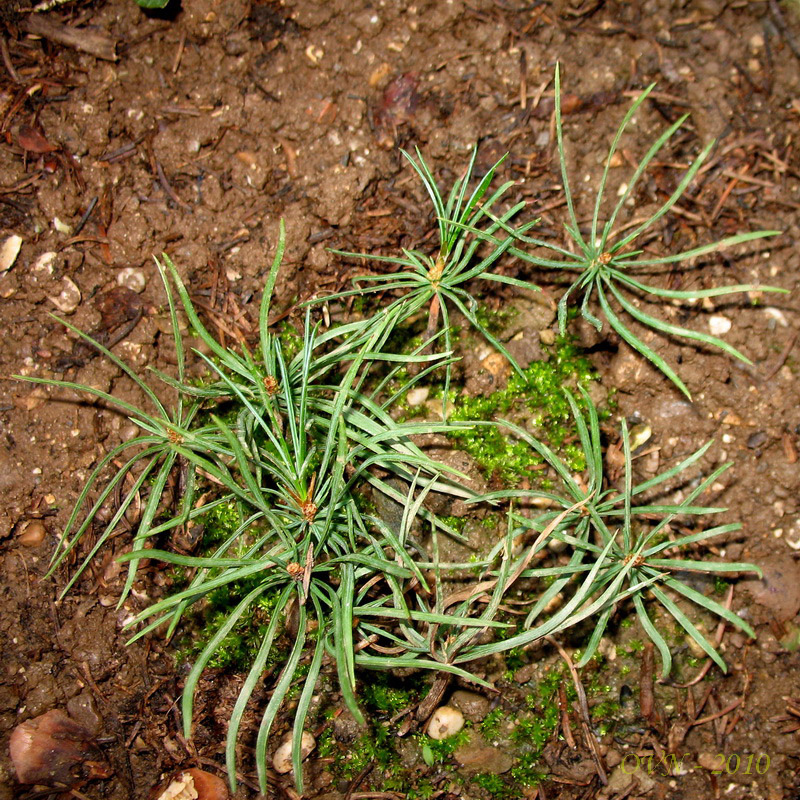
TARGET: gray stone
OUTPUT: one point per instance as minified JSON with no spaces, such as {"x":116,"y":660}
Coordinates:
{"x":535,"y":313}
{"x":478,"y":757}
{"x":472,"y":705}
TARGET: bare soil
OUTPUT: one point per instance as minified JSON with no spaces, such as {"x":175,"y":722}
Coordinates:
{"x":213,"y":124}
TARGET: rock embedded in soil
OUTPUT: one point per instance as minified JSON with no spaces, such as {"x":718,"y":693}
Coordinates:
{"x":132,"y":278}
{"x":69,"y":298}
{"x":52,"y":748}
{"x":32,"y":533}
{"x":472,"y":705}
{"x":497,"y":365}
{"x":195,"y":784}
{"x":778,"y":593}
{"x":534,"y":313}
{"x":44,"y":264}
{"x":346,"y":728}
{"x":282,"y":760}
{"x":9,"y":251}
{"x":477,"y":757}
{"x":83,"y":710}
{"x":446,"y":721}
{"x":389,"y":509}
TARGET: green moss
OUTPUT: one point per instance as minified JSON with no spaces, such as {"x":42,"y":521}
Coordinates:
{"x":492,"y":521}
{"x":239,"y":648}
{"x":456,"y":523}
{"x":424,"y":791}
{"x":326,"y":743}
{"x":220,"y":523}
{"x":437,"y":751}
{"x":490,"y":727}
{"x":537,"y":726}
{"x":495,"y":786}
{"x":291,"y":341}
{"x":604,"y":714}
{"x":383,"y":695}
{"x":372,"y":747}
{"x":515,"y":658}
{"x":527,"y":772}
{"x":539,"y":391}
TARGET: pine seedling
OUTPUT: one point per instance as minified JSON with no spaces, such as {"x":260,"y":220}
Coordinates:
{"x":439,"y":282}
{"x":610,"y":536}
{"x":607,"y":261}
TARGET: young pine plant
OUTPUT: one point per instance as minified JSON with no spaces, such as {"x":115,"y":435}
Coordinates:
{"x":290,"y":443}
{"x":439,"y":282}
{"x":621,"y":549}
{"x":608,"y":258}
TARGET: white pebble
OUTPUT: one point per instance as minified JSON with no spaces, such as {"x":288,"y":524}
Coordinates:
{"x":418,"y":395}
{"x":44,"y":263}
{"x":282,"y":760}
{"x":132,"y":279}
{"x":314,"y":54}
{"x":70,"y":297}
{"x":446,"y":721}
{"x":777,"y":315}
{"x":9,"y":252}
{"x":62,"y":227}
{"x":719,"y":325}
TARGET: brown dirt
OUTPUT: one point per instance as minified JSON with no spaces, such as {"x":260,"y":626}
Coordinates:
{"x":211,"y":126}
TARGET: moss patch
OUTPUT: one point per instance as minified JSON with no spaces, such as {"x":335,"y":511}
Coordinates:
{"x":538,"y":393}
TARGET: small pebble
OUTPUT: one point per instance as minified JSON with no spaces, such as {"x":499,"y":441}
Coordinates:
{"x":446,"y":721}
{"x":44,"y":263}
{"x":777,"y":315}
{"x":616,"y":160}
{"x":32,"y":533}
{"x":474,"y":706}
{"x":694,"y":647}
{"x":45,"y":750}
{"x":547,"y":336}
{"x":128,"y":432}
{"x":282,"y":760}
{"x":195,"y":784}
{"x":9,"y":252}
{"x":496,"y":364}
{"x":755,"y":440}
{"x":608,"y":650}
{"x":718,"y":325}
{"x":314,"y":54}
{"x":132,"y":279}
{"x":62,"y":227}
{"x":639,"y":435}
{"x":70,"y":297}
{"x":709,"y":761}
{"x":418,"y":395}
